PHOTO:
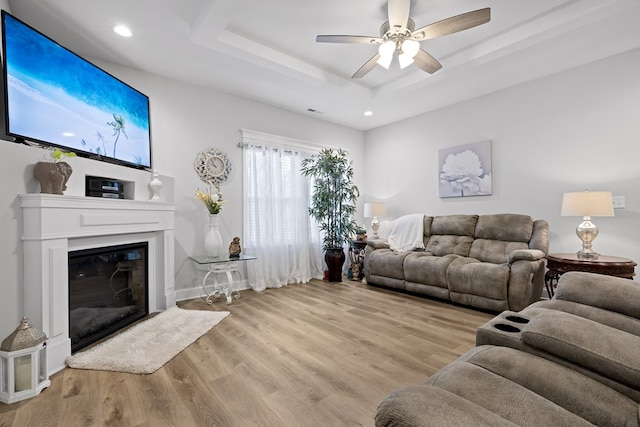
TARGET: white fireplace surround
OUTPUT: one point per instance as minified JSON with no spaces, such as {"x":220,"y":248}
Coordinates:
{"x":54,"y":225}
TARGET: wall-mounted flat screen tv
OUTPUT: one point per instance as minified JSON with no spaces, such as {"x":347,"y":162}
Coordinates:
{"x":54,"y":97}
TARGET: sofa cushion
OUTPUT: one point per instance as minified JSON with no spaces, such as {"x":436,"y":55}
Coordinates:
{"x":603,"y":349}
{"x":596,"y":402}
{"x":498,"y":235}
{"x":495,"y":251}
{"x":505,"y":227}
{"x":460,"y":225}
{"x":606,"y":292}
{"x":422,"y":267}
{"x":441,"y":245}
{"x":606,"y":317}
{"x":385,"y":262}
{"x":470,"y":276}
{"x":427,"y":406}
{"x":506,"y":398}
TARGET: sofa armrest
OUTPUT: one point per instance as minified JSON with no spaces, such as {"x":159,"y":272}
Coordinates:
{"x":526,"y":255}
{"x":597,"y":290}
{"x":526,"y":281}
{"x":377,"y":244}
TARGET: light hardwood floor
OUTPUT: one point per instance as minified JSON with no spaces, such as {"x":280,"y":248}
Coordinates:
{"x":319,"y":354}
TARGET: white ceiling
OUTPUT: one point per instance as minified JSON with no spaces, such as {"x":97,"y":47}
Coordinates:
{"x":265,"y":50}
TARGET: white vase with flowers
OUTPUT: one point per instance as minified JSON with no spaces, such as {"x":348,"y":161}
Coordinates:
{"x":212,"y":199}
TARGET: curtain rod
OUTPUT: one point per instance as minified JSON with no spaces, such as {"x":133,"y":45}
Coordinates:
{"x":283,"y":141}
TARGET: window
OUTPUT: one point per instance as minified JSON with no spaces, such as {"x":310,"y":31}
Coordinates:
{"x":277,"y":226}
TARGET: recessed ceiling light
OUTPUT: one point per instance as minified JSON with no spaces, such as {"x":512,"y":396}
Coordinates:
{"x":68,"y":134}
{"x":122,"y":30}
{"x":368,"y":113}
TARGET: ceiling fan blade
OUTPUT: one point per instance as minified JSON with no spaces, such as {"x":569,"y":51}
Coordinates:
{"x":398,"y":11}
{"x":426,"y":62}
{"x":453,"y":24}
{"x":349,"y":39}
{"x":368,"y":66}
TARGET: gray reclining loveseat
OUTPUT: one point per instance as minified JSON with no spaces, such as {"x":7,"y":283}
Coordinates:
{"x":569,"y":361}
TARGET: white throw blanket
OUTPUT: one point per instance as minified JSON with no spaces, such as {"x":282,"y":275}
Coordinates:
{"x":406,"y":233}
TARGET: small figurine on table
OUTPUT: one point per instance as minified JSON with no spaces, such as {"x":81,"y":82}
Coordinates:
{"x":234,"y":248}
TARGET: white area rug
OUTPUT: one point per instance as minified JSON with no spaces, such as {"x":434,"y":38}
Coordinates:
{"x":147,"y":346}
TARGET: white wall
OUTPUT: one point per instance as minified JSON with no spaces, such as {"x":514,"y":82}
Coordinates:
{"x":576,"y":130}
{"x":185,"y":119}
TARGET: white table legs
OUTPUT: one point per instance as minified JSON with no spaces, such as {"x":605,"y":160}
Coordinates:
{"x":227,"y":289}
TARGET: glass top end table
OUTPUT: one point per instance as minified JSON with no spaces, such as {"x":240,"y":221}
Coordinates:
{"x":207,"y":259}
{"x":220,"y":265}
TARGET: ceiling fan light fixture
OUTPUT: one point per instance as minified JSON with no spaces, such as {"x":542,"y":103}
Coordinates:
{"x":405,"y":60}
{"x":398,"y":33}
{"x":387,"y":48}
{"x":410,"y":47}
{"x":385,"y":61}
{"x":385,"y":51}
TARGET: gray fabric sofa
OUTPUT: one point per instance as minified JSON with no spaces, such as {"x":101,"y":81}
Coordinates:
{"x":572,"y":360}
{"x":493,"y":262}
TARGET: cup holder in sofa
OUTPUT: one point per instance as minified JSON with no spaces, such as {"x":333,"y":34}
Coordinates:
{"x":517,"y":319}
{"x":506,"y":328}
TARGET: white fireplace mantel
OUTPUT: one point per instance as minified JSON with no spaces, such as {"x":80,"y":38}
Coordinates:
{"x":54,"y":225}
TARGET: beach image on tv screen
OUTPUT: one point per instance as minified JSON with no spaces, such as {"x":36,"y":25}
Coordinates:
{"x":55,"y":96}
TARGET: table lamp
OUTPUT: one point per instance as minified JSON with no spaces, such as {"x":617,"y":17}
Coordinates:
{"x":374,"y":210}
{"x":587,"y":204}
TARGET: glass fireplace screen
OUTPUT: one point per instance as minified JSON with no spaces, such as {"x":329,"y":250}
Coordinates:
{"x":108,"y":290}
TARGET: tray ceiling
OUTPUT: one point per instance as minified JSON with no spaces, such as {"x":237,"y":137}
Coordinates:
{"x":266,"y":50}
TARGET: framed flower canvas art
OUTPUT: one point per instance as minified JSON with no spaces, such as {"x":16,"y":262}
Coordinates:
{"x":465,"y":170}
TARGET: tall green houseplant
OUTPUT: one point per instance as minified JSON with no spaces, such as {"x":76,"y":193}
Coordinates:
{"x":333,"y":204}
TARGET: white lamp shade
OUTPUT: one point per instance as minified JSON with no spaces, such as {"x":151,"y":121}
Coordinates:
{"x":410,"y":47}
{"x":385,"y":61}
{"x":404,"y":60}
{"x":374,"y":209}
{"x":587,"y":203}
{"x":386,"y":50}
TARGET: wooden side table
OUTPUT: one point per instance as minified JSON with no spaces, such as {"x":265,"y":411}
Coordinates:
{"x":356,"y":256}
{"x":558,"y":264}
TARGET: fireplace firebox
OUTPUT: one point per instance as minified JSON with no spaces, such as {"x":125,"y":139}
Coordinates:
{"x":108,"y":290}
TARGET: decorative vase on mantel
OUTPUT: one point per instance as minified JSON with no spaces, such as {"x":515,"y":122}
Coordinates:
{"x":155,"y":185}
{"x":213,"y":240}
{"x":52,"y":176}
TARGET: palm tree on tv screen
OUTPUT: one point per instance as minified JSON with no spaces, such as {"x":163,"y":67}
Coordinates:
{"x":118,"y":128}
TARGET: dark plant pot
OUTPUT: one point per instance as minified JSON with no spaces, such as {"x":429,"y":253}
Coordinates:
{"x":335,"y":259}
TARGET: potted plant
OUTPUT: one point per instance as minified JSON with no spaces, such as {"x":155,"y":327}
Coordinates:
{"x":53,"y":176}
{"x":361,"y":232}
{"x":332,"y":204}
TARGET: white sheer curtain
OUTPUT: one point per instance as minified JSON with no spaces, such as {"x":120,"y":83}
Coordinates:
{"x":277,"y":226}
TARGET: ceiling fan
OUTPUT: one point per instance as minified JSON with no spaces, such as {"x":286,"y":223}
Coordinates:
{"x":398,"y":34}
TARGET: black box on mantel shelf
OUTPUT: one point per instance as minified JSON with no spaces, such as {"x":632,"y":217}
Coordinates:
{"x":96,"y":186}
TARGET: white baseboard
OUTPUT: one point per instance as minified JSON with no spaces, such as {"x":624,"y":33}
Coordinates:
{"x":197,"y":292}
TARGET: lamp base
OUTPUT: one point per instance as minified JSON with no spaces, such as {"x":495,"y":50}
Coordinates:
{"x":587,"y":255}
{"x":587,"y":231}
{"x":375,"y":226}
